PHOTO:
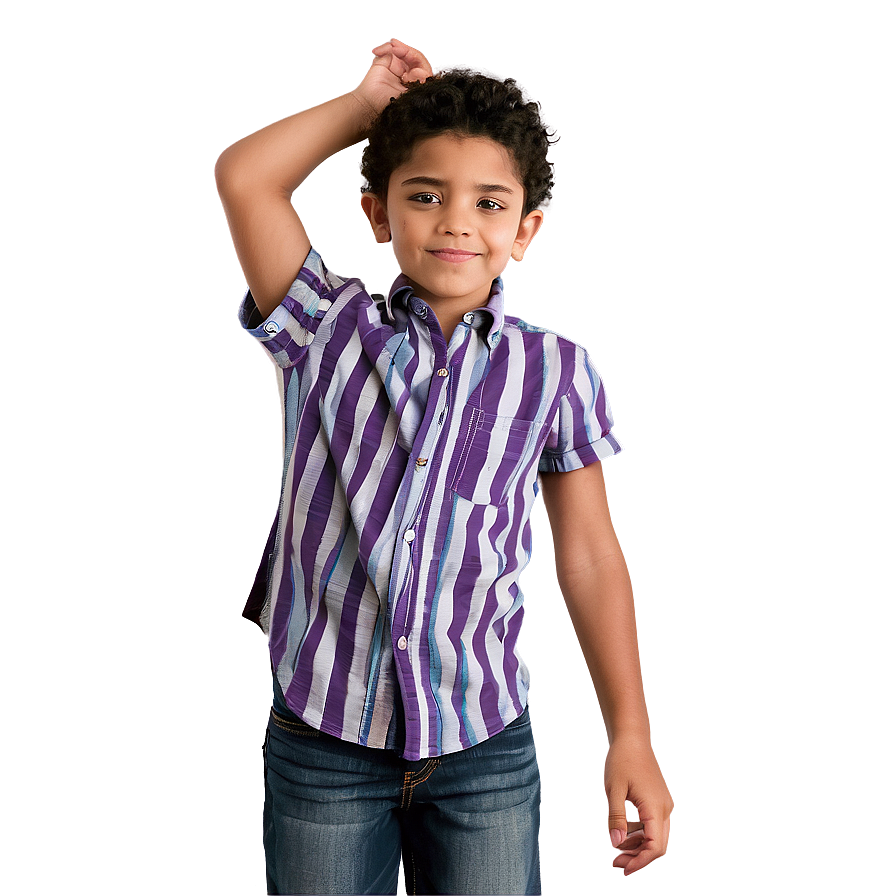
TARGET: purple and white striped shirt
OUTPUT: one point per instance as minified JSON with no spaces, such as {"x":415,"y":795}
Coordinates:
{"x":389,"y":584}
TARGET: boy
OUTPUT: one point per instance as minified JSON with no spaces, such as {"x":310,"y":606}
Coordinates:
{"x":416,"y":426}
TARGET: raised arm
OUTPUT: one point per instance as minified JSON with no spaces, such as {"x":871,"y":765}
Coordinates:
{"x":596,"y":587}
{"x":257,"y":175}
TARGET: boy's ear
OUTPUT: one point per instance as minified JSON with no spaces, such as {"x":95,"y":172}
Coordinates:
{"x":529,"y":226}
{"x":376,"y":214}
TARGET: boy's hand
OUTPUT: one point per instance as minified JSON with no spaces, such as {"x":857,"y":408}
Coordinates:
{"x":396,"y":65}
{"x":632,"y":773}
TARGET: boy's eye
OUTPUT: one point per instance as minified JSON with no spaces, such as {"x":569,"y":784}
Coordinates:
{"x":425,"y":198}
{"x":490,"y":204}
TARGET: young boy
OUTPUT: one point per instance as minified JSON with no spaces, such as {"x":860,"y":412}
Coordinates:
{"x":416,"y":427}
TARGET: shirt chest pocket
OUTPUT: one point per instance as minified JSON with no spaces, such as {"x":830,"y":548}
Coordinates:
{"x":491,"y":455}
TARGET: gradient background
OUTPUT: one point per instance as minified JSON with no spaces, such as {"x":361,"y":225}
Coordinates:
{"x":721,"y":240}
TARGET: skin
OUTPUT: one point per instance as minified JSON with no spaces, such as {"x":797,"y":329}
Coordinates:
{"x":256,"y":178}
{"x":597,"y":589}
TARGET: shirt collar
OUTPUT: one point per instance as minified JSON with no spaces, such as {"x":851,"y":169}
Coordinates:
{"x":487,"y":321}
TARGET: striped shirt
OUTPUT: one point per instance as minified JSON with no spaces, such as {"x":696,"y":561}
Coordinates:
{"x":389,"y":586}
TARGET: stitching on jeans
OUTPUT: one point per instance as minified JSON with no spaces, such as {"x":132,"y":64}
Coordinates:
{"x":410,"y":782}
{"x":430,"y":768}
{"x":424,"y":773}
{"x":405,"y":793}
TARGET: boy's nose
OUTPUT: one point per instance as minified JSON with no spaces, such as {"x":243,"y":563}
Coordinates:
{"x":454,"y":223}
{"x":455,"y":228}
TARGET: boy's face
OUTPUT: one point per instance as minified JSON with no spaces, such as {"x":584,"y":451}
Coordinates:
{"x":454,"y":215}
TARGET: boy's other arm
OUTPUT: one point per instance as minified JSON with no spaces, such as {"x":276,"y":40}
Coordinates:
{"x":593,"y":577}
{"x":257,"y":175}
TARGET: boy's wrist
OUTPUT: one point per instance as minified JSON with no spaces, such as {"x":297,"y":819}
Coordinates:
{"x":366,"y":110}
{"x":631,"y":735}
{"x":633,"y":727}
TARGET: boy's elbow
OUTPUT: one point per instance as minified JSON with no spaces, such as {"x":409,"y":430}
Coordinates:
{"x":237,"y":175}
{"x":224,"y":173}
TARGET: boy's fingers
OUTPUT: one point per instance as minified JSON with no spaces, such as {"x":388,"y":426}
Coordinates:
{"x":635,"y":859}
{"x":405,"y":62}
{"x":410,"y":77}
{"x":418,"y":74}
{"x":653,"y":830}
{"x":415,"y":61}
{"x":400,"y":48}
{"x":635,"y":836}
{"x":617,"y":823}
{"x":640,"y":860}
{"x":652,"y":846}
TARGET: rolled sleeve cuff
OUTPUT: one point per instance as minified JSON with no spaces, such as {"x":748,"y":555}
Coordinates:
{"x":288,"y":330}
{"x":575,"y":458}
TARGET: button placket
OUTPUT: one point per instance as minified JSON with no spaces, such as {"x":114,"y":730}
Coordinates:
{"x":405,"y":593}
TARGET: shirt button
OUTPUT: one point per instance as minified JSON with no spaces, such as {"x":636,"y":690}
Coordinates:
{"x":443,"y":371}
{"x":402,"y":643}
{"x":409,"y":535}
{"x":422,"y":461}
{"x":468,"y":317}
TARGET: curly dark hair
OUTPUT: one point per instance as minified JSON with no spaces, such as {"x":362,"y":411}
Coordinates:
{"x":463,"y":102}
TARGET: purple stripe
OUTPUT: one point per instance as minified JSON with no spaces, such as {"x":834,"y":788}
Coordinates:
{"x":512,"y":627}
{"x":371,"y":442}
{"x":315,"y":522}
{"x":489,"y":697}
{"x":388,"y":483}
{"x":568,"y":353}
{"x":337,"y":692}
{"x":511,"y":664}
{"x":300,"y":687}
{"x":285,"y":599}
{"x":409,"y":368}
{"x":461,"y":595}
{"x":428,"y":729}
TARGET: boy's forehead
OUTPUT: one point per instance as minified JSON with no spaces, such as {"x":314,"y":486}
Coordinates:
{"x":460,"y":158}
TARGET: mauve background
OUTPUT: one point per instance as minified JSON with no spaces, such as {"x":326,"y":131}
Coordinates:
{"x":721,"y":240}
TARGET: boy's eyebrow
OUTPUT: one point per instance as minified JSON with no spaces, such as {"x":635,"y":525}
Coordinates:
{"x":435,"y":182}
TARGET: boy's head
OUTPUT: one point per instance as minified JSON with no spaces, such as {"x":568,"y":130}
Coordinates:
{"x":456,"y":168}
{"x":467,"y":103}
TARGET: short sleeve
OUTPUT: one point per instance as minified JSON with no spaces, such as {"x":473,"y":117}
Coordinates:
{"x":580,"y":432}
{"x":290,"y":328}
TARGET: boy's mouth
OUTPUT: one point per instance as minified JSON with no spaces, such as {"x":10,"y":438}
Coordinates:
{"x":455,"y":256}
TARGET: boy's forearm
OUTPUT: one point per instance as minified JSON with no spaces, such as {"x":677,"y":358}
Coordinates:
{"x":601,"y":606}
{"x":281,"y":155}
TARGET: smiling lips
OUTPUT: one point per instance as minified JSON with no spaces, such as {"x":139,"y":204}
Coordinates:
{"x":454,"y":256}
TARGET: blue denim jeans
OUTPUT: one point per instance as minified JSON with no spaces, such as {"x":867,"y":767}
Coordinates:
{"x":338,"y":816}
